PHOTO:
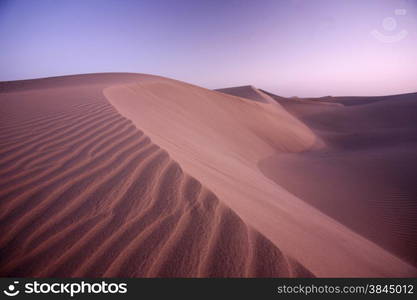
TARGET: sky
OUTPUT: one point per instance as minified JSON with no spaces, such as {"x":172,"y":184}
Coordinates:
{"x":288,"y":47}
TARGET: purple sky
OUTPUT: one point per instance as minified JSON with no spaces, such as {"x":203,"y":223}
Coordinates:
{"x":289,"y":47}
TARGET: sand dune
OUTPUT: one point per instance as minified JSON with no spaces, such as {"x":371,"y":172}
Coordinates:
{"x":143,"y":176}
{"x":85,"y":193}
{"x":220,"y":140}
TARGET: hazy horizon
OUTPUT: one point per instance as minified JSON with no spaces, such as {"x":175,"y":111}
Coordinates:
{"x":291,"y":48}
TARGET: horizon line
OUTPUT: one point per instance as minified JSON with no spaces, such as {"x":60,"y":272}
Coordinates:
{"x":218,"y":88}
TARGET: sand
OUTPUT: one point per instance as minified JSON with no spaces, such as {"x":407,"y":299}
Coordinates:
{"x":365,"y":176}
{"x":132,"y":175}
{"x":248,"y":92}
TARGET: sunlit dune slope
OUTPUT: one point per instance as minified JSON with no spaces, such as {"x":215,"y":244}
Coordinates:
{"x":220,"y":139}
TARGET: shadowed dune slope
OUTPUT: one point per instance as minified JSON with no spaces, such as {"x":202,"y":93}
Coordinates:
{"x":83,"y":192}
{"x":248,"y":92}
{"x":365,"y":177}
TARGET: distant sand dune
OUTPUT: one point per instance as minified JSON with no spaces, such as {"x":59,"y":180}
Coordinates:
{"x":85,"y":193}
{"x":248,"y":92}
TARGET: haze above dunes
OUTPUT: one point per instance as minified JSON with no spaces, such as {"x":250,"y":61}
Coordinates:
{"x":136,"y":175}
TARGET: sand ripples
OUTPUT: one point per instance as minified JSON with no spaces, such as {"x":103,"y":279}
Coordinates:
{"x":84,"y":193}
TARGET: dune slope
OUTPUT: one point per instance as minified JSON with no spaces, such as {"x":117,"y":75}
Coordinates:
{"x":248,"y":92}
{"x":220,"y":139}
{"x":85,"y":193}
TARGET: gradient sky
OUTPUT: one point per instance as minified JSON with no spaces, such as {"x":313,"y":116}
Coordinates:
{"x":289,"y":47}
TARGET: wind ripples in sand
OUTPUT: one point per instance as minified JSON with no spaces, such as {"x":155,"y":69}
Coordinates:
{"x":84,"y":193}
